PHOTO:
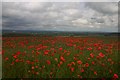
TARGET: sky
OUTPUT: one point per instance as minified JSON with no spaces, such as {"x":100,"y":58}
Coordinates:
{"x":60,"y":16}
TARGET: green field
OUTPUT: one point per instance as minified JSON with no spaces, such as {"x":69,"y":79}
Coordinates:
{"x":60,"y":57}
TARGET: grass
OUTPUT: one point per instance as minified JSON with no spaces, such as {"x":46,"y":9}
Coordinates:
{"x":31,"y":60}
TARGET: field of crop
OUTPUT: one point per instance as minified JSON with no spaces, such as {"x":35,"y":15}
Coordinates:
{"x":60,"y":57}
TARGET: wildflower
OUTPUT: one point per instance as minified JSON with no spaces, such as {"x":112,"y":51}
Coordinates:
{"x":115,"y":76}
{"x":48,"y":62}
{"x":91,"y":55}
{"x":86,"y":64}
{"x":72,"y":69}
{"x":16,"y":60}
{"x":82,"y":70}
{"x":79,"y":62}
{"x":109,"y":59}
{"x":89,"y":49}
{"x":69,"y":65}
{"x":12,"y":63}
{"x":88,"y":58}
{"x":95,"y":72}
{"x":101,"y":54}
{"x":99,"y":48}
{"x":60,"y":48}
{"x":62,"y":59}
{"x":36,"y":66}
{"x":15,"y":56}
{"x":18,"y":53}
{"x":58,"y":65}
{"x":73,"y":63}
{"x":6,"y":58}
{"x":93,"y":62}
{"x":36,"y":73}
{"x":61,"y":62}
{"x":33,"y":67}
{"x":46,"y":52}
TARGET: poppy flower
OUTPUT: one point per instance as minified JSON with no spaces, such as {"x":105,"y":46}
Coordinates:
{"x":6,"y":58}
{"x":93,"y":62}
{"x":33,"y":67}
{"x":61,"y":62}
{"x":91,"y":55}
{"x":82,"y":70}
{"x":60,"y":48}
{"x":99,"y":48}
{"x":36,"y":66}
{"x":95,"y":72}
{"x":15,"y":56}
{"x":109,"y":59}
{"x":69,"y":65}
{"x":79,"y":62}
{"x":72,"y":69}
{"x":16,"y":60}
{"x":86,"y":64}
{"x":73,"y":63}
{"x":89,"y":48}
{"x":58,"y":65}
{"x":101,"y":54}
{"x":46,"y":52}
{"x":48,"y":62}
{"x":115,"y":76}
{"x":18,"y":53}
{"x":36,"y":73}
{"x":88,"y":58}
{"x":62,"y":58}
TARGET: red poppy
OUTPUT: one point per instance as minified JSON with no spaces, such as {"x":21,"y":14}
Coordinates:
{"x":115,"y":76}
{"x":89,"y":48}
{"x":15,"y":56}
{"x":58,"y":65}
{"x":16,"y":60}
{"x":79,"y":62}
{"x":91,"y":55}
{"x":60,"y":48}
{"x":82,"y":70}
{"x":48,"y":62}
{"x":101,"y":54}
{"x":33,"y":67}
{"x":18,"y":53}
{"x":93,"y":62}
{"x":73,"y":63}
{"x":95,"y":72}
{"x":88,"y":58}
{"x":62,"y":58}
{"x":6,"y":58}
{"x":69,"y":65}
{"x":109,"y":59}
{"x":36,"y":66}
{"x":46,"y":52}
{"x":86,"y":64}
{"x":61,"y":62}
{"x":72,"y":69}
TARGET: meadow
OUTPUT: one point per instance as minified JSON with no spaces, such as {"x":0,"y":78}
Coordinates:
{"x":60,"y":57}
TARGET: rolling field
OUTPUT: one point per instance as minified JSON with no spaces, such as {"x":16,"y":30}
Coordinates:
{"x":60,"y":57}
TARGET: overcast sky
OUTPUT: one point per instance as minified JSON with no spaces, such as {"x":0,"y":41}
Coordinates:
{"x":60,"y":16}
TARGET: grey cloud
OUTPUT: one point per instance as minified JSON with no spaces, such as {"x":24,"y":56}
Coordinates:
{"x":59,"y":16}
{"x":107,"y":8}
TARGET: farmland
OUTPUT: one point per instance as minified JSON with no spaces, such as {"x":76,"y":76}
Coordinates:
{"x":60,"y":57}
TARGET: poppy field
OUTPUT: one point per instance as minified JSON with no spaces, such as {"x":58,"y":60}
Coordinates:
{"x":60,"y":57}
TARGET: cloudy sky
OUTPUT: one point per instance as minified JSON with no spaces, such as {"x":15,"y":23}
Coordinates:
{"x":60,"y":16}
